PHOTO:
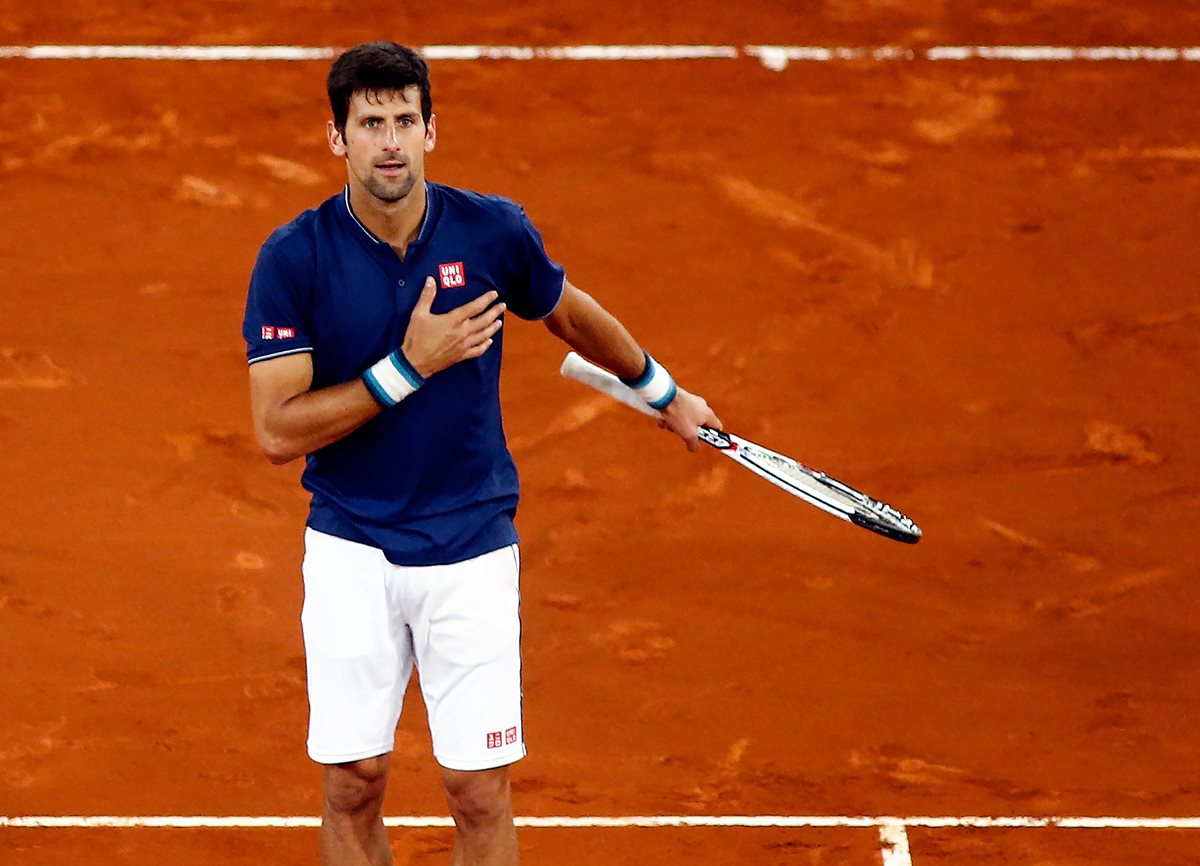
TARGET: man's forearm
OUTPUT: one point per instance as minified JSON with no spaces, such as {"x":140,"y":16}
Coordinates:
{"x":597,"y":334}
{"x":314,"y":419}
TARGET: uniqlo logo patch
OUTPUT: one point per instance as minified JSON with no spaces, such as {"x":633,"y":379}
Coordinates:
{"x":510,"y":736}
{"x":268,"y":333}
{"x":453,"y":275}
{"x":494,"y":740}
{"x":285,"y":333}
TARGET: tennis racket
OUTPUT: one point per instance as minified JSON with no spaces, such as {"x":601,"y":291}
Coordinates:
{"x":816,"y":488}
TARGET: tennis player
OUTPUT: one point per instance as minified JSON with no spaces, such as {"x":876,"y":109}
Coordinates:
{"x":374,"y":332}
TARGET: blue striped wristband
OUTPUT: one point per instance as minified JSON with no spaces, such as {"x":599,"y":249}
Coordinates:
{"x":655,"y":385}
{"x":391,"y":379}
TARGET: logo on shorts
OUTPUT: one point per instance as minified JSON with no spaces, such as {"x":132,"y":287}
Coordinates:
{"x":453,"y":275}
{"x":496,"y":739}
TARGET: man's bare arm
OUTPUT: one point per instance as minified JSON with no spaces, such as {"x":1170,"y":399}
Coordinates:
{"x":290,"y":420}
{"x":584,"y":325}
{"x":592,"y":331}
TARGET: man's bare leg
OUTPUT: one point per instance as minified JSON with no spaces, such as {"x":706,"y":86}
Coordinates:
{"x":481,"y":803}
{"x":352,"y":832}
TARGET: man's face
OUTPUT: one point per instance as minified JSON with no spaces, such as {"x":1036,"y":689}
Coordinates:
{"x":385,"y":142}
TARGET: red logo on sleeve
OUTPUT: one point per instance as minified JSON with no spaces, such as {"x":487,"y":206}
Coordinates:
{"x":494,"y":740}
{"x":285,"y":333}
{"x":453,"y":275}
{"x":268,"y":333}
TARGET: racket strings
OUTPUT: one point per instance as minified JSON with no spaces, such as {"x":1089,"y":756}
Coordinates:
{"x":831,"y":488}
{"x":801,"y":475}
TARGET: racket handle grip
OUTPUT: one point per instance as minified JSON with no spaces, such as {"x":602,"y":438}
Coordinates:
{"x":576,"y":367}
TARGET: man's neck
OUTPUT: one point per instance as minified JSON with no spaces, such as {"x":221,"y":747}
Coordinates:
{"x":395,"y":223}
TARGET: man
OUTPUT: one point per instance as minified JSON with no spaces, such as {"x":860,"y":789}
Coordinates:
{"x":373,"y":326}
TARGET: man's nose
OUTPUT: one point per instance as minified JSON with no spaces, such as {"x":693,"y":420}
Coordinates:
{"x":392,"y":137}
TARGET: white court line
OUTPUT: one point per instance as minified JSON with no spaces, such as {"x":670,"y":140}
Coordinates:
{"x":1060,"y":53}
{"x":580,"y":52}
{"x":776,"y":57}
{"x":893,"y":825}
{"x":894,"y":841}
{"x":165,"y":52}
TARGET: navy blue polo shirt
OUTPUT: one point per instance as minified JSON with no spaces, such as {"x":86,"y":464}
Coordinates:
{"x":429,"y":481}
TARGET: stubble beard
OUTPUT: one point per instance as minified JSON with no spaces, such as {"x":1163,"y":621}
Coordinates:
{"x":392,"y":192}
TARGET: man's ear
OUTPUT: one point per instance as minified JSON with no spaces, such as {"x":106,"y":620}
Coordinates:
{"x":336,"y":138}
{"x":431,"y":134}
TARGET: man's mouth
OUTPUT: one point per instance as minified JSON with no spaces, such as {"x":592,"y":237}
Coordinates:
{"x":390,"y":167}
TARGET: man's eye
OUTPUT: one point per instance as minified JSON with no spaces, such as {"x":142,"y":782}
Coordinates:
{"x":406,"y":121}
{"x":371,"y":122}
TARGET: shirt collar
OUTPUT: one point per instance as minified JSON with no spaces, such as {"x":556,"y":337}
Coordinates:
{"x":372,"y":237}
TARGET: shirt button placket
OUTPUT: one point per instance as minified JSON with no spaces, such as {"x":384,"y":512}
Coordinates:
{"x":402,"y":299}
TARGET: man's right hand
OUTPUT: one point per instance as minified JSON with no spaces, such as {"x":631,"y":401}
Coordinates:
{"x":434,"y":342}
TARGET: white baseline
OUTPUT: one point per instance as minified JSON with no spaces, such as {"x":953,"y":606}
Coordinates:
{"x":883,"y":822}
{"x":776,"y":57}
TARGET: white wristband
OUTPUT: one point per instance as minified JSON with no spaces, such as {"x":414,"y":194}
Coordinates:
{"x":391,"y":379}
{"x":655,"y":385}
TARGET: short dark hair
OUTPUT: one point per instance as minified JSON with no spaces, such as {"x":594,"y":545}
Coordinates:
{"x":373,"y":67}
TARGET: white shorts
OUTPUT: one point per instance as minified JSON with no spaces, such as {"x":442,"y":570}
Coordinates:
{"x":367,"y":621}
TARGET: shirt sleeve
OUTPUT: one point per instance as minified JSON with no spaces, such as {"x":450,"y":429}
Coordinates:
{"x":536,"y":281}
{"x":276,"y":320}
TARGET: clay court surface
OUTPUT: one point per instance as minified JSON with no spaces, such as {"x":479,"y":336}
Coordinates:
{"x":969,"y":288}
